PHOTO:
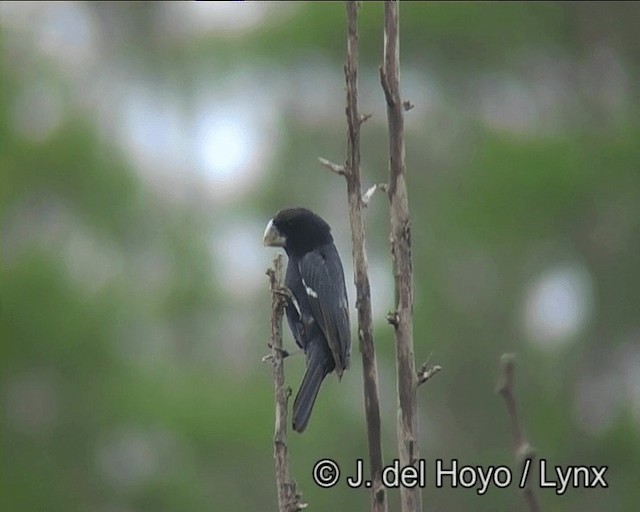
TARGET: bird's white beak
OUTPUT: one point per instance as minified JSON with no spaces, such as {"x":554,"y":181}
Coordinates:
{"x":272,"y":237}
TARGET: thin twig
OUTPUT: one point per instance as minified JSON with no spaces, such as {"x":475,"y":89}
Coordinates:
{"x":426,"y":372}
{"x":522,"y":449}
{"x":289,"y":498}
{"x":407,"y":105}
{"x":338,"y":169}
{"x":402,"y":320}
{"x":366,"y":197}
{"x":392,"y":318}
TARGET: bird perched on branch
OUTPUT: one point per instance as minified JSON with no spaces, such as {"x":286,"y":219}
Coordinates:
{"x":318,"y":311}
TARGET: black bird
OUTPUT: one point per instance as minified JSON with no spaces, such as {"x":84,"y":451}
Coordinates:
{"x":318,"y":312}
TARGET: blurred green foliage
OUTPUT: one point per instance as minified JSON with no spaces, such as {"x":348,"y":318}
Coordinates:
{"x":131,"y":374}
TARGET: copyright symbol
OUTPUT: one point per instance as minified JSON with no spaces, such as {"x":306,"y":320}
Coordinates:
{"x":326,"y":473}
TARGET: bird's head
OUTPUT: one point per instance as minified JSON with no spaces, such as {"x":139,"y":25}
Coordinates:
{"x":297,"y":230}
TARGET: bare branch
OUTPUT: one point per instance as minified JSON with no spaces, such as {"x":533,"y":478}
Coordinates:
{"x":411,"y":499}
{"x":338,"y":169}
{"x":523,"y":450}
{"x":289,"y":498}
{"x":361,"y":276}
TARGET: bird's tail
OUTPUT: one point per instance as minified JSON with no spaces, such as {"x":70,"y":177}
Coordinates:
{"x":318,"y":367}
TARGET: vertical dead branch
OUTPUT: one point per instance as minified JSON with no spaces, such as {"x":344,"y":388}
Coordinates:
{"x":402,"y":318}
{"x":351,"y":172}
{"x":524,"y":452}
{"x":361,"y":277}
{"x":288,"y":495}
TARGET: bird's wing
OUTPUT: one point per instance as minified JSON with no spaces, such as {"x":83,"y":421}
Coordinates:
{"x":323,"y":279}
{"x":295,"y":322}
{"x":294,"y":314}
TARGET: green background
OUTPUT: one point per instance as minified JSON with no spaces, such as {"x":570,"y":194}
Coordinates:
{"x":135,"y":309}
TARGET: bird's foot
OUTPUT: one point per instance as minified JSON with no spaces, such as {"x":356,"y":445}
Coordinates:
{"x":283,"y":291}
{"x":283,"y":353}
